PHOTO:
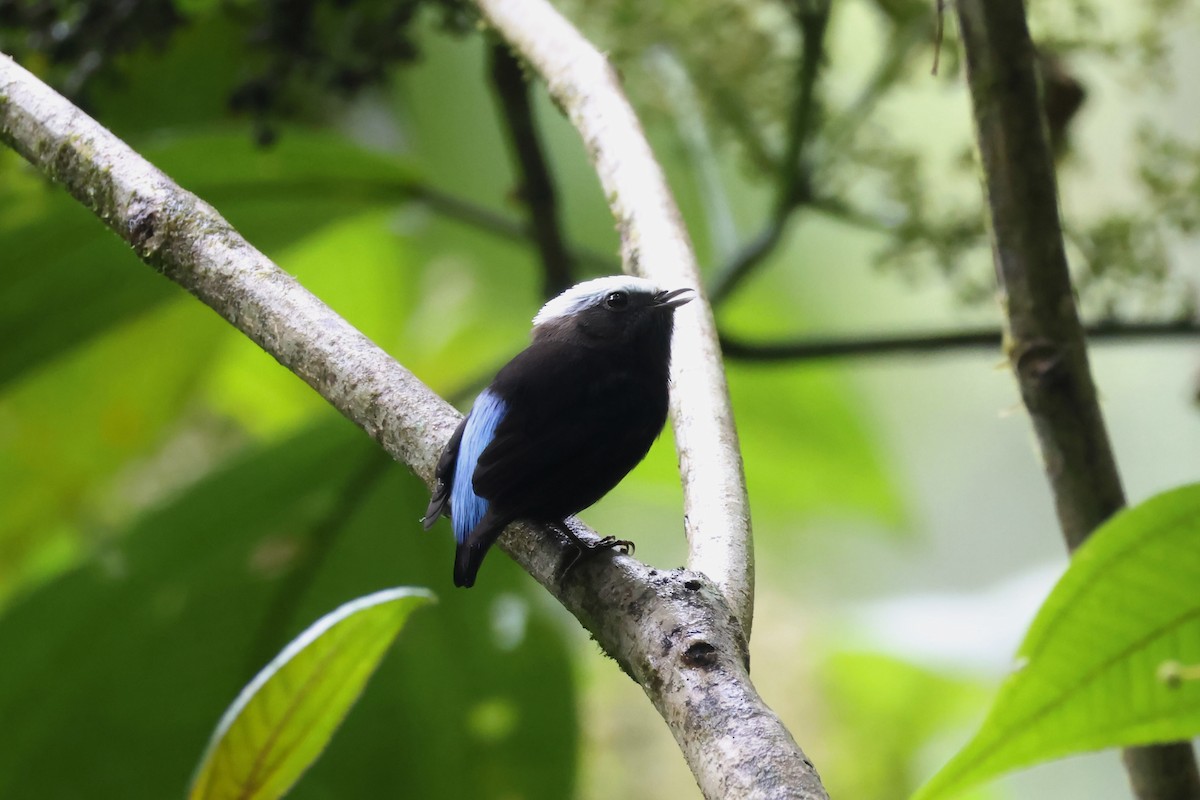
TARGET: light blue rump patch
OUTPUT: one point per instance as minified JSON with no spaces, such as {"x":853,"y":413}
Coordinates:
{"x":467,"y":508}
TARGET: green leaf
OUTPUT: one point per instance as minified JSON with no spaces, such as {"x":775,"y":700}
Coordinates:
{"x":283,"y":719}
{"x":1096,"y":668}
{"x":144,"y":645}
{"x":77,"y":438}
{"x":67,"y":277}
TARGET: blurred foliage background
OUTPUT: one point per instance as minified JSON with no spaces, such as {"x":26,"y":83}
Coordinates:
{"x":174,"y":506}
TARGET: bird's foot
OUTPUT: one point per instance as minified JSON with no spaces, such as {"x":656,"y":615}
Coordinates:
{"x":610,"y":542}
{"x":585,"y":549}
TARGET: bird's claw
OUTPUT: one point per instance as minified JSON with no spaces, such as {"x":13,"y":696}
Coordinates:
{"x":611,"y":542}
{"x":584,"y":549}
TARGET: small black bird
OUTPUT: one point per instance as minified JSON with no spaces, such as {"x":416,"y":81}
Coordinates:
{"x":564,"y":421}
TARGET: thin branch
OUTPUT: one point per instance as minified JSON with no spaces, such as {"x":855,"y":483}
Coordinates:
{"x":818,"y":348}
{"x":1044,"y":338}
{"x":481,"y":217}
{"x":939,"y":30}
{"x":442,"y":203}
{"x":813,"y":18}
{"x":536,"y":187}
{"x":654,"y":244}
{"x":843,"y":211}
{"x":673,"y":632}
{"x":478,"y":216}
{"x":748,"y":258}
{"x":794,"y":188}
{"x":729,"y":106}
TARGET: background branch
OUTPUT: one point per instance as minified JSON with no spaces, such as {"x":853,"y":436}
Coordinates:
{"x":535,"y":187}
{"x":814,"y":348}
{"x":671,"y":631}
{"x":442,"y":203}
{"x":1044,"y":338}
{"x":812,"y":17}
{"x":654,"y":244}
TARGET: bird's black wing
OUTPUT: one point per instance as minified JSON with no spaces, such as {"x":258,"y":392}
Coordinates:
{"x":576,"y":422}
{"x":444,"y":476}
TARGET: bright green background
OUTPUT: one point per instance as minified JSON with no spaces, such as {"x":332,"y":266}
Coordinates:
{"x":174,"y":506}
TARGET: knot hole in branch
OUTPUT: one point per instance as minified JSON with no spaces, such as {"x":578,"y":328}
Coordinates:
{"x":144,"y":227}
{"x":700,"y":655}
{"x":1042,"y":367}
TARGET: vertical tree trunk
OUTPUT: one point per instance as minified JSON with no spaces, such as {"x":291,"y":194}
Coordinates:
{"x":1044,"y":340}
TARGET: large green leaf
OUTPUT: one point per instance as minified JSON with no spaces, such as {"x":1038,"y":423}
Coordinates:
{"x":76,"y":438}
{"x":223,"y":165}
{"x":67,"y":277}
{"x":88,"y":420}
{"x":1095,"y":669}
{"x":284,"y":718}
{"x":119,"y":669}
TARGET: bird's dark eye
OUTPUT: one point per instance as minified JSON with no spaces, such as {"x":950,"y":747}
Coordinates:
{"x":616,"y":300}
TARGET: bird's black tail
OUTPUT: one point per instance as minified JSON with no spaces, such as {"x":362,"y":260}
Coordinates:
{"x":470,"y":553}
{"x":466,"y":564}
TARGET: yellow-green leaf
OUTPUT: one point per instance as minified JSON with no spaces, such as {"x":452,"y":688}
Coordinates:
{"x":284,"y":718}
{"x":1100,"y":666}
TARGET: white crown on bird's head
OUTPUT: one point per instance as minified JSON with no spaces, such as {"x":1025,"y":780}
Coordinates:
{"x":590,"y":293}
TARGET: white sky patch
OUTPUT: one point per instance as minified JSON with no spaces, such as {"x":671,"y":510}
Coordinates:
{"x":590,"y":293}
{"x":972,"y":630}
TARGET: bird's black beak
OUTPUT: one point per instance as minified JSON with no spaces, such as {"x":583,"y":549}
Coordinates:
{"x":674,"y":298}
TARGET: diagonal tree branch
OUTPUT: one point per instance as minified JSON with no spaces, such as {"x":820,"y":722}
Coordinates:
{"x":654,"y":244}
{"x":1043,"y":338}
{"x":672,"y":632}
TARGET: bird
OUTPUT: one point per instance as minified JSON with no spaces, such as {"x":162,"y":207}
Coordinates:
{"x":564,"y":421}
